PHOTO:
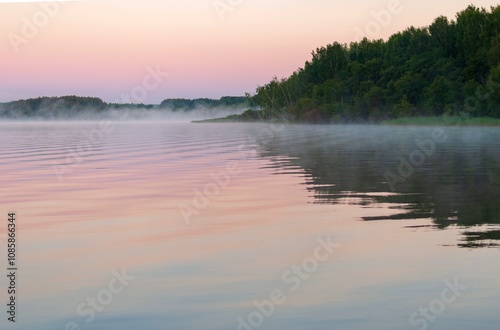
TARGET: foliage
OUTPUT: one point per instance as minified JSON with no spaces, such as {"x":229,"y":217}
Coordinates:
{"x":68,"y":107}
{"x":449,"y":67}
{"x":51,"y":106}
{"x":223,"y":102}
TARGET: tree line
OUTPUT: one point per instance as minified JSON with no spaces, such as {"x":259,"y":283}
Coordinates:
{"x":448,"y":67}
{"x":70,"y":106}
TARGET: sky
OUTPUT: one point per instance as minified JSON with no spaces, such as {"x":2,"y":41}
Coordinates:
{"x":144,"y":51}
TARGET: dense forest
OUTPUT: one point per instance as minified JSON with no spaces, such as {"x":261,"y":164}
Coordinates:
{"x":447,"y":68}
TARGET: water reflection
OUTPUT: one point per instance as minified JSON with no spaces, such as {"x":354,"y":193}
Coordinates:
{"x":456,"y":184}
{"x":119,"y":209}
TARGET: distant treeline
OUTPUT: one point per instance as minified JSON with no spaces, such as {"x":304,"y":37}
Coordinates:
{"x":449,"y":67}
{"x":49,"y":106}
{"x":71,"y":106}
{"x":223,"y":102}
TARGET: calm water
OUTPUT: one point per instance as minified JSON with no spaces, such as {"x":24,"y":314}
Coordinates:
{"x":209,"y":221}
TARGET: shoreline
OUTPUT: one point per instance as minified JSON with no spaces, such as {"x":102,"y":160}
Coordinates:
{"x":407,"y":121}
{"x":444,"y":121}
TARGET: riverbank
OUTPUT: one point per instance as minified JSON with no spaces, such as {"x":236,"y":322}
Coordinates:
{"x":249,"y":116}
{"x":443,"y":121}
{"x":256,"y":116}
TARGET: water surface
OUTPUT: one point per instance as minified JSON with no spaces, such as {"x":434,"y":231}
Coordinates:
{"x":91,"y":199}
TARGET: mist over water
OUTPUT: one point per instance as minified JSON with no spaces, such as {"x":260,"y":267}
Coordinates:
{"x":178,"y":115}
{"x":123,"y":113}
{"x":118,"y":207}
{"x":448,"y":174}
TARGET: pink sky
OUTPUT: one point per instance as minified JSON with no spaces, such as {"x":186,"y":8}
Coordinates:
{"x":102,"y":48}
